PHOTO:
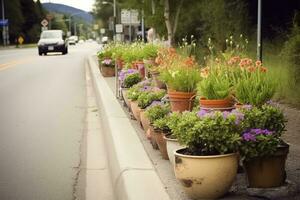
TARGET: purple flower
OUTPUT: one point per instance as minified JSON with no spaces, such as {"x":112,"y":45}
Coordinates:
{"x":155,"y":103}
{"x":247,"y":106}
{"x":202,"y":113}
{"x":146,"y":88}
{"x":239,"y":116}
{"x":267,"y":132}
{"x":107,"y":61}
{"x":249,"y":137}
{"x":225,"y":114}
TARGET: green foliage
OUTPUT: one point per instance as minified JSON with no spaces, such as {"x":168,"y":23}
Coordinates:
{"x":255,"y":88}
{"x":256,"y":143}
{"x":147,"y":97}
{"x":217,"y":85}
{"x":150,"y":50}
{"x":268,"y":116}
{"x":134,"y":92}
{"x":180,"y":74}
{"x":210,"y":133}
{"x":263,"y":128}
{"x":131,"y":79}
{"x":162,"y":124}
{"x":156,"y":111}
{"x":291,"y":51}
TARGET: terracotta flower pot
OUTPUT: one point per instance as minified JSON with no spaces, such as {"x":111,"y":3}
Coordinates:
{"x":159,"y":138}
{"x":172,"y":146}
{"x":266,"y":172}
{"x":152,"y":138}
{"x":135,"y":110}
{"x":181,"y":101}
{"x":222,"y":104}
{"x":140,"y":66}
{"x":205,"y":177}
{"x":144,"y":120}
{"x":107,"y":71}
{"x":120,"y":63}
{"x":158,"y":83}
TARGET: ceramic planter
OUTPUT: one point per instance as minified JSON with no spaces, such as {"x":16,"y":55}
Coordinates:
{"x":172,"y":146}
{"x":135,"y":110}
{"x":159,"y":138}
{"x":181,"y":101}
{"x":222,"y":104}
{"x":266,"y":172}
{"x":205,"y":177}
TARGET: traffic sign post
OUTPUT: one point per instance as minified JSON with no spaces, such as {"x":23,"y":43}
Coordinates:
{"x":3,"y":22}
{"x":44,"y":22}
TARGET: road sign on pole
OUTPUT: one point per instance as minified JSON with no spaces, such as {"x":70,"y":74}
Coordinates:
{"x":3,"y":22}
{"x":130,"y":17}
{"x":44,"y":22}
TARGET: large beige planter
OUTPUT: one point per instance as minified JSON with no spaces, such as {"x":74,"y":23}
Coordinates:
{"x":205,"y":177}
{"x":136,"y":110}
{"x":172,"y":146}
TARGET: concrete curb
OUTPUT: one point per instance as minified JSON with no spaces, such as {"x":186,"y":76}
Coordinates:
{"x":132,"y":173}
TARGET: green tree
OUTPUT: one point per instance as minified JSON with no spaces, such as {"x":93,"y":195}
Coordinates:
{"x":32,"y":17}
{"x":15,"y":18}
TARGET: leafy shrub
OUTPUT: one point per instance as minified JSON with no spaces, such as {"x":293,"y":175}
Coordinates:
{"x":147,"y":97}
{"x":209,"y":133}
{"x":156,"y":111}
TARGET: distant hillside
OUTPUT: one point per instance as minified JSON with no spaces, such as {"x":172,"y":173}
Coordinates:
{"x":64,"y":9}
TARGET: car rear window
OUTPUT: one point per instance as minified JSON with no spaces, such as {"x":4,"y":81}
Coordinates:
{"x":51,"y":34}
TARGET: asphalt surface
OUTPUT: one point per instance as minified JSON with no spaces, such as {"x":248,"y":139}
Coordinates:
{"x":42,"y":112}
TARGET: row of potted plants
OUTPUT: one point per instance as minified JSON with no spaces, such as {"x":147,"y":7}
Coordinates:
{"x":205,"y":141}
{"x":136,"y":55}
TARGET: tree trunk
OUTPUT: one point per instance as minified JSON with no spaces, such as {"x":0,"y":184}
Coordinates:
{"x":168,"y":23}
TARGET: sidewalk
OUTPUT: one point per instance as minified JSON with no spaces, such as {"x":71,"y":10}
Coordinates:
{"x":238,"y":191}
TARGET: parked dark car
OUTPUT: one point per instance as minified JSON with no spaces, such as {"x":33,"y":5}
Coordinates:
{"x":52,"y":41}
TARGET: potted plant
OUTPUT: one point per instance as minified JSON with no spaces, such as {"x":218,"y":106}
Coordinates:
{"x":106,"y":63}
{"x":211,"y":140}
{"x":160,"y":128}
{"x":263,"y":151}
{"x":171,"y":141}
{"x":255,"y":85}
{"x":155,"y":111}
{"x":181,"y":76}
{"x":107,"y":67}
{"x":147,"y":96}
{"x":128,"y":78}
{"x":215,"y":89}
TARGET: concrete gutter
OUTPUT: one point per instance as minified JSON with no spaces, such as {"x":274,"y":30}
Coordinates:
{"x":132,"y":173}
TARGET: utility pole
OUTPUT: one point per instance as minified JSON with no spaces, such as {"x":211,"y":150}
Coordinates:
{"x":4,"y":27}
{"x":259,"y":41}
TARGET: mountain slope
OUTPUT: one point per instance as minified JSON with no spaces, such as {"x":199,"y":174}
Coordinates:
{"x":64,"y":9}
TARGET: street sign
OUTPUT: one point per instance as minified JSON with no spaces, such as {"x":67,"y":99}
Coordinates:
{"x":3,"y":22}
{"x":44,"y":22}
{"x":20,"y":40}
{"x":119,"y":28}
{"x":130,"y":17}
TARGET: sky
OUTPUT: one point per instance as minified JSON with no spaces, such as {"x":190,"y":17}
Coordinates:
{"x":85,"y":5}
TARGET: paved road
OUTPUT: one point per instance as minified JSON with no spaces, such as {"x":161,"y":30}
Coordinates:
{"x":42,"y":110}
